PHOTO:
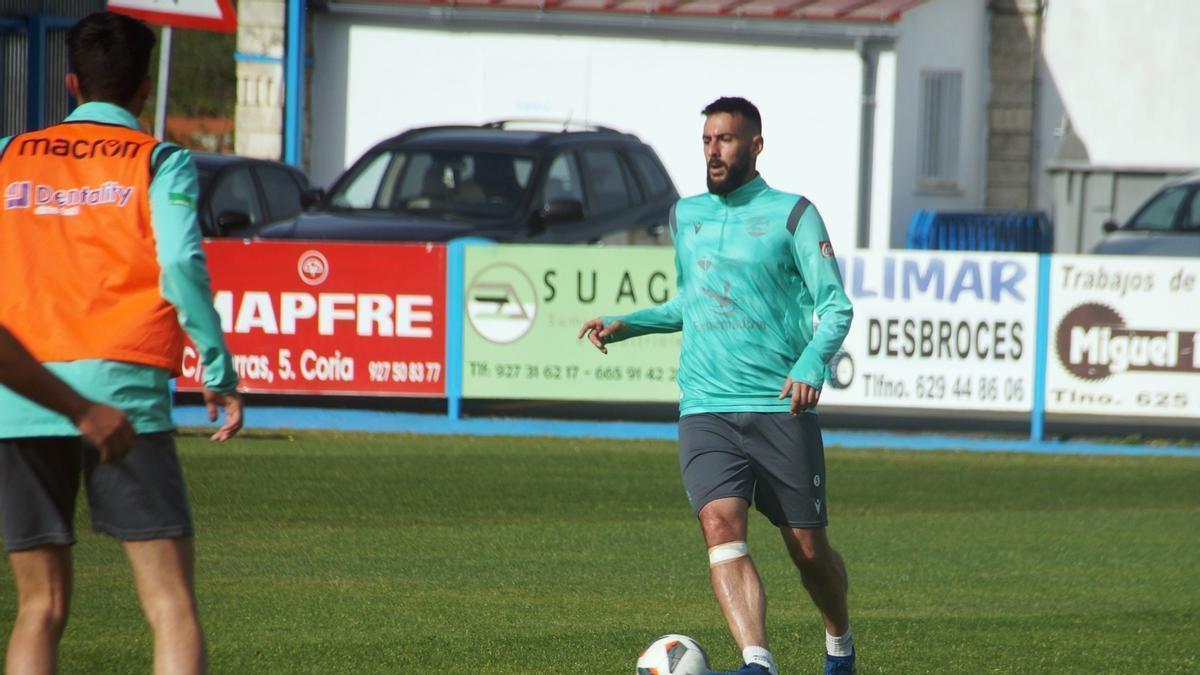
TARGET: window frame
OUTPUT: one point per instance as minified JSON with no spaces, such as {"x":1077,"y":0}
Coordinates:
{"x":939,"y":131}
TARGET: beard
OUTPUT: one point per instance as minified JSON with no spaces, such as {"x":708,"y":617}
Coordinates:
{"x":736,"y":174}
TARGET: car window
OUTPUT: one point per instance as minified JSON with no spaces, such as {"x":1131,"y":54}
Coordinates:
{"x":282,"y":191}
{"x":235,"y":191}
{"x":361,"y":190}
{"x":1192,"y":222}
{"x":440,"y":182}
{"x":608,"y":184}
{"x":562,"y":180}
{"x":1160,"y":212}
{"x":652,"y":177}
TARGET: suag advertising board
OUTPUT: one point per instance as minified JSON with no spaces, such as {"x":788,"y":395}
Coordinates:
{"x":1124,"y":336}
{"x":523,"y":306}
{"x":937,"y":330}
{"x":329,"y":318}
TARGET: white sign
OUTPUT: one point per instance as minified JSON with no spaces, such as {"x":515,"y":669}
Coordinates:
{"x":1124,"y":336}
{"x":215,"y":15}
{"x":937,"y":330}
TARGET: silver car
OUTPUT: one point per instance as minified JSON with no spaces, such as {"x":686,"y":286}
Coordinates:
{"x":1167,"y":224}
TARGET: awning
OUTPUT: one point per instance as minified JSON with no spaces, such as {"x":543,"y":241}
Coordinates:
{"x":877,"y":11}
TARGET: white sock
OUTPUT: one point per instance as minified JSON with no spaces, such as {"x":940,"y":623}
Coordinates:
{"x":761,"y":656}
{"x":839,"y":646}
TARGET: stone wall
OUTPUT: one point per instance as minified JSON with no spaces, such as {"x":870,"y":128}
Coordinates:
{"x":1015,"y":27}
{"x":259,"y":113}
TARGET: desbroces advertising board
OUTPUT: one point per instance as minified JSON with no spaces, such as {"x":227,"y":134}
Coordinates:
{"x":1124,"y":336}
{"x":523,"y":309}
{"x":329,"y":318}
{"x":937,"y":330}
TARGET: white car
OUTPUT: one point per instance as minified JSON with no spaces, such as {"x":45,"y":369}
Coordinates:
{"x":1167,"y":224}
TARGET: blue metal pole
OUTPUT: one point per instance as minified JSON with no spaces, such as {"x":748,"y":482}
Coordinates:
{"x":1037,"y":425}
{"x":293,"y":107}
{"x":35,"y":91}
{"x":455,"y":267}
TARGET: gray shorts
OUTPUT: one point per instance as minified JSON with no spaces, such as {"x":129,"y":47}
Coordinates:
{"x":141,"y":497}
{"x":775,"y":461}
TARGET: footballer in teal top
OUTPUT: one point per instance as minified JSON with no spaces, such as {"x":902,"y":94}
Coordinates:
{"x":759,"y":299}
{"x":762,"y":310}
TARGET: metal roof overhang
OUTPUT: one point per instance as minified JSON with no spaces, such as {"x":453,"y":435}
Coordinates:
{"x":810,"y":23}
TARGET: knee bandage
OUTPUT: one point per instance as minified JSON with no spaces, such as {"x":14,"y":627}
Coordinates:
{"x":723,"y":553}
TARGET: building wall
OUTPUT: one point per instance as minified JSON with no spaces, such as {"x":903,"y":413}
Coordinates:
{"x":1116,"y":110}
{"x":940,"y":35}
{"x":374,"y":79}
{"x":1125,"y":72}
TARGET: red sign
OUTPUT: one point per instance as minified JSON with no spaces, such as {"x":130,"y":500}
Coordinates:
{"x":330,"y":318}
{"x":214,"y":15}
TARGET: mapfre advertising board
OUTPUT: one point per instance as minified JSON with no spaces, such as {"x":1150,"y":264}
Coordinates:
{"x":1124,"y":336}
{"x":937,"y":330}
{"x":329,"y":318}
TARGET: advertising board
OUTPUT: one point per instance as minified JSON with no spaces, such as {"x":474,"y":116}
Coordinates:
{"x":937,"y":330}
{"x":523,"y":309}
{"x":329,"y":318}
{"x":1124,"y":336}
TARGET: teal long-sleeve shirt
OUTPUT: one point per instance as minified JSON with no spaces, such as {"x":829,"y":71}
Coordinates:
{"x":753,"y":269}
{"x":143,"y":392}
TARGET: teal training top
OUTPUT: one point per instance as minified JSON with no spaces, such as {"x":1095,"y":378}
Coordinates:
{"x":142,"y":392}
{"x":754,"y":269}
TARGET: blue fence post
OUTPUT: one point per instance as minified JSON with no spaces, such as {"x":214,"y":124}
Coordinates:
{"x":455,"y":268}
{"x":1037,"y":423}
{"x":293,"y":88}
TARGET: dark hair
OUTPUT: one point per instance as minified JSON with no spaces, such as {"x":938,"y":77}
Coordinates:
{"x":110,"y":53}
{"x":736,"y":105}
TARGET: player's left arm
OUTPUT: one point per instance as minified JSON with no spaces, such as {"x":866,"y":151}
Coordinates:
{"x":814,"y":258}
{"x":106,"y":427}
{"x":174,"y":196}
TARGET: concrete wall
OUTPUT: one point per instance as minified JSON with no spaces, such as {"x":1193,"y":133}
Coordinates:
{"x":939,"y":35}
{"x":1126,"y":74}
{"x":373,"y":79}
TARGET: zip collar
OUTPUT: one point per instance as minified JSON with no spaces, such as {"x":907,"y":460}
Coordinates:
{"x":744,"y":194}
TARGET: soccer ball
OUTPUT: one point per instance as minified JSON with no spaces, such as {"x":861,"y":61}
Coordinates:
{"x":673,"y":655}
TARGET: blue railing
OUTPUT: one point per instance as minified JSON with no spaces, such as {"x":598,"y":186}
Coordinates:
{"x":981,"y":231}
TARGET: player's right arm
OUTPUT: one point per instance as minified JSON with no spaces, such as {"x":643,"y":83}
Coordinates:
{"x":664,"y":318}
{"x":106,"y":427}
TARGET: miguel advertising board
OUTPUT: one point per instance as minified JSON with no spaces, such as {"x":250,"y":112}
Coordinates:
{"x":937,"y":330}
{"x":329,"y":318}
{"x":1124,"y":336}
{"x":523,"y":309}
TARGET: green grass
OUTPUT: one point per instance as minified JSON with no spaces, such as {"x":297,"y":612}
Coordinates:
{"x":356,"y":553}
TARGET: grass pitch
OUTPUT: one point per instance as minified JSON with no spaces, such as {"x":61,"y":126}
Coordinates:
{"x":356,"y":553}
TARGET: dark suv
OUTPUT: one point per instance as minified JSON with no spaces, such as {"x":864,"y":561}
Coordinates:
{"x":496,"y":182}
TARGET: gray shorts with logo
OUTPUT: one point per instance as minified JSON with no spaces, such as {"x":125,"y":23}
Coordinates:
{"x":138,"y":498}
{"x":775,"y":461}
